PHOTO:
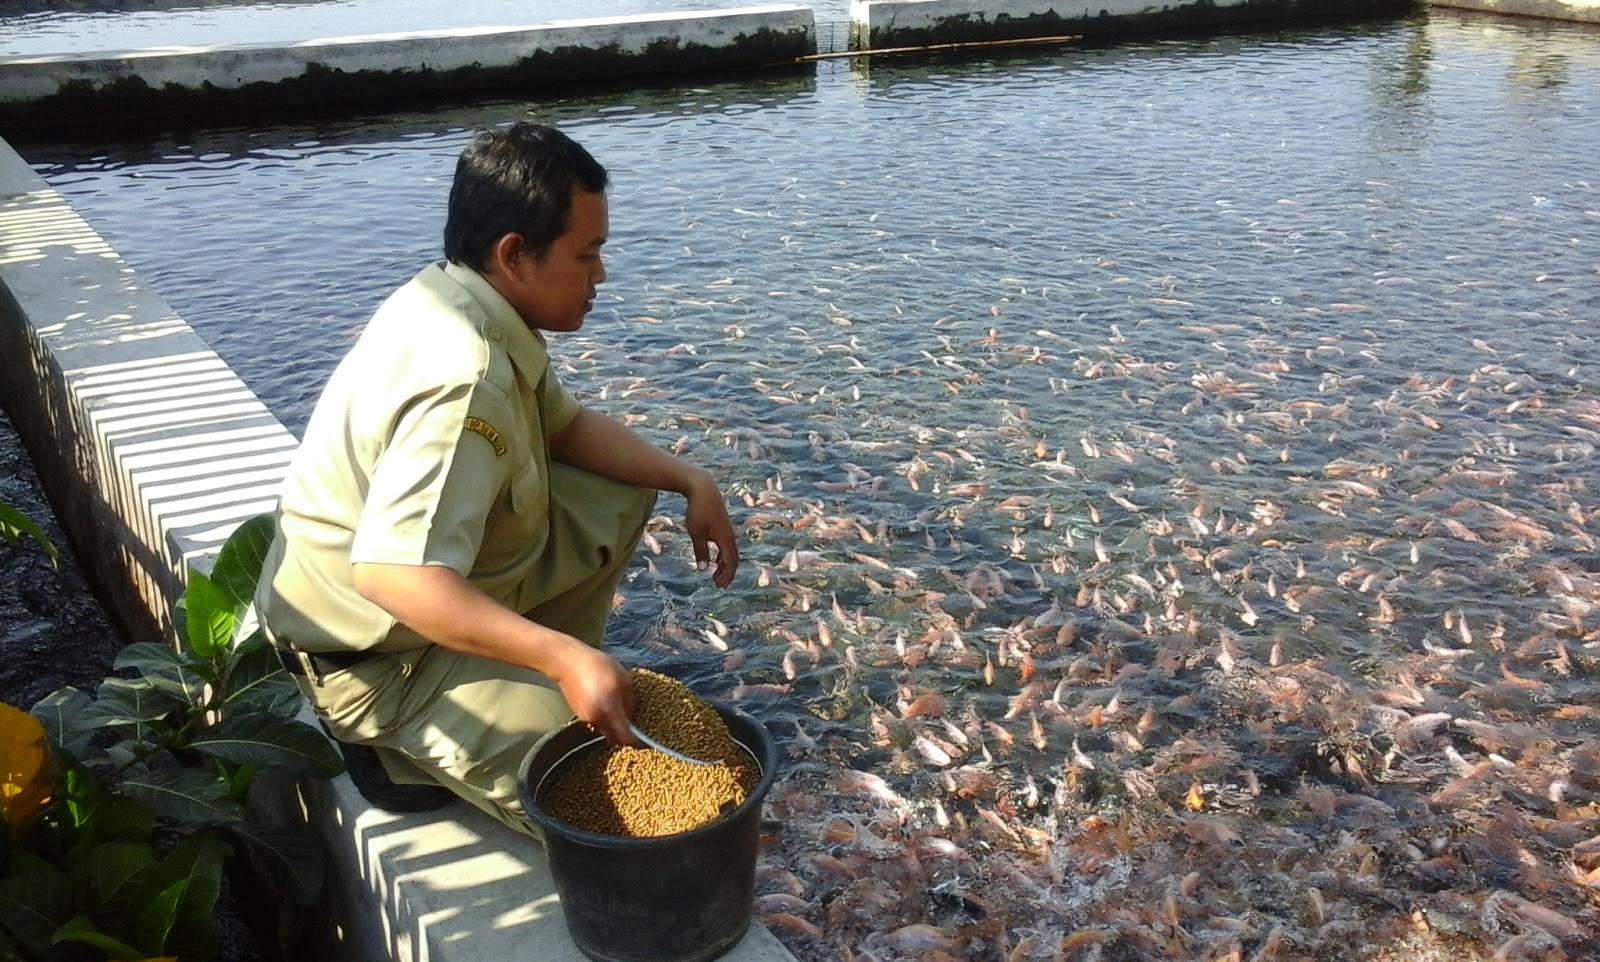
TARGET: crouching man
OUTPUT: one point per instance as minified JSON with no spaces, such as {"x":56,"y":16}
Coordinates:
{"x":454,"y":523}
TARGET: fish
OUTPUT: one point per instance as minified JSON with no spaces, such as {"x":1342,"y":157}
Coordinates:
{"x":917,"y":937}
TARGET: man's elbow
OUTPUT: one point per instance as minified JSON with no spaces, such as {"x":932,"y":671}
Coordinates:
{"x":562,"y":444}
{"x":378,"y":584}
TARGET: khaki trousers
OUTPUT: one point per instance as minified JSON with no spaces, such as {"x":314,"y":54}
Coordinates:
{"x":468,"y":722}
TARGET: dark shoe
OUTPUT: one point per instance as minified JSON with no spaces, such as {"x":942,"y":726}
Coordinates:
{"x":366,"y":771}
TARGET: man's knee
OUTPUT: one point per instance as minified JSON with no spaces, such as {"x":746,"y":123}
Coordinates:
{"x":594,"y":507}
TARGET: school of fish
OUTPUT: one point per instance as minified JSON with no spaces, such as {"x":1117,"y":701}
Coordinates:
{"x":1172,"y":639}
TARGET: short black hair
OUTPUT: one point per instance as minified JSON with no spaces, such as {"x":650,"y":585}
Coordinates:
{"x":515,"y":180}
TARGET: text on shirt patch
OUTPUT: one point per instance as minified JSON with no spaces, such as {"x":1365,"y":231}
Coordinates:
{"x":477,"y":426}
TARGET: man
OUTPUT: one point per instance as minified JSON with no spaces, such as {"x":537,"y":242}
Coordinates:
{"x":454,"y":523}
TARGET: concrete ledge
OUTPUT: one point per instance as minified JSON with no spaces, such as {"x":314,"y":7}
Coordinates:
{"x":882,"y":24}
{"x":69,"y":88}
{"x":152,"y":451}
{"x":150,"y":448}
{"x":1582,"y":11}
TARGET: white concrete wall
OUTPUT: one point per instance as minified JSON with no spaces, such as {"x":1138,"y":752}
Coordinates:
{"x":903,"y":15}
{"x":893,"y":23}
{"x":1586,"y":11}
{"x":212,"y":78}
{"x":151,"y":449}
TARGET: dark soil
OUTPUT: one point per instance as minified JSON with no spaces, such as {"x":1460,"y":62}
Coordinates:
{"x":54,"y":633}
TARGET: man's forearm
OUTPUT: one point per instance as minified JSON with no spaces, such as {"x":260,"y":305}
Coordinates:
{"x":450,"y":611}
{"x":447,"y":609}
{"x":598,"y":443}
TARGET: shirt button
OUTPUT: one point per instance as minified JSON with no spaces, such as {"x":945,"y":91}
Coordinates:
{"x":494,"y":334}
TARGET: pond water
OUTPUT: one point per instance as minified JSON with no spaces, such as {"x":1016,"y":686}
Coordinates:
{"x":34,"y":27}
{"x":1165,"y":468}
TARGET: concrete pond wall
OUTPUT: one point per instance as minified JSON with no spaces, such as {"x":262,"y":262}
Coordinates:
{"x":151,"y":448}
{"x":238,"y":79}
{"x":1582,"y":11}
{"x":888,"y":24}
{"x":233,"y":80}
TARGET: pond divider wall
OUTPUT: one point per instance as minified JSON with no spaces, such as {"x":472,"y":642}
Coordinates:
{"x":236,"y":80}
{"x":894,"y":24}
{"x":243,"y":80}
{"x":1582,"y":11}
{"x":152,"y":451}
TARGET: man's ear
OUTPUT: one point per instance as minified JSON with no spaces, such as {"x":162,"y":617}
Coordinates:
{"x":505,"y":252}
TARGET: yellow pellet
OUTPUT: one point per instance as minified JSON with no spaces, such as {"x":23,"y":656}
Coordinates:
{"x":641,"y":793}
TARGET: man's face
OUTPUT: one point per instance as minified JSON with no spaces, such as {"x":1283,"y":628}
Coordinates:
{"x":554,"y":292}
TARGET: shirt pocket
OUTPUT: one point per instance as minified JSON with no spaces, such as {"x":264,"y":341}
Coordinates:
{"x":516,"y":523}
{"x":528,"y":492}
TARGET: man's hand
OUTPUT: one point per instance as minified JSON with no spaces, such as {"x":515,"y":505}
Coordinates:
{"x":706,"y":520}
{"x":599,"y":692}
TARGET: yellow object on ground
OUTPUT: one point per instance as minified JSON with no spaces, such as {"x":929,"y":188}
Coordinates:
{"x":27,"y":772}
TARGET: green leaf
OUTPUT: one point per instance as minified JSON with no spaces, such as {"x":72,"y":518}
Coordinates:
{"x":14,"y":526}
{"x":61,"y":713}
{"x":146,"y":657}
{"x":257,"y":682}
{"x":24,"y":862}
{"x":33,"y":907}
{"x":238,"y":566}
{"x":131,"y":702}
{"x":112,"y":869}
{"x":123,"y":819}
{"x":268,"y":741}
{"x":127,"y":753}
{"x":293,"y":856}
{"x":184,"y":794}
{"x":82,"y":929}
{"x":116,"y":877}
{"x":211,"y":617}
{"x":240,"y":778}
{"x":156,"y":917}
{"x":179,"y":896}
{"x":166,"y":669}
{"x":82,"y":792}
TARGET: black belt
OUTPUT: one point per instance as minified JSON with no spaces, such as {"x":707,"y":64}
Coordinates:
{"x":321,"y":663}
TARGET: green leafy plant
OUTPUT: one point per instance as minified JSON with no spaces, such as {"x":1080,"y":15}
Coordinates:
{"x":14,"y":526}
{"x":125,"y":859}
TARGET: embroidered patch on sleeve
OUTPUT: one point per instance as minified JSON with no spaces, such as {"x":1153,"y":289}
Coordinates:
{"x":477,"y":426}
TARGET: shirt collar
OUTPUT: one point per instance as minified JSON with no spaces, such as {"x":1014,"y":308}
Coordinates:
{"x":525,"y":345}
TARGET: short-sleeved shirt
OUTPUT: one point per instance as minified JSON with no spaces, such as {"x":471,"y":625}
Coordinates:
{"x":429,"y":446}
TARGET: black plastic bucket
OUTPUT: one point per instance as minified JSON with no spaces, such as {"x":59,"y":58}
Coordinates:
{"x":673,"y":898}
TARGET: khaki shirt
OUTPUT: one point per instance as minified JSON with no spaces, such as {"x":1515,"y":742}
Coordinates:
{"x":429,"y":446}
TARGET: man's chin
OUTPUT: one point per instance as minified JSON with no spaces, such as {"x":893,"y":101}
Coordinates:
{"x":566,"y":326}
